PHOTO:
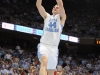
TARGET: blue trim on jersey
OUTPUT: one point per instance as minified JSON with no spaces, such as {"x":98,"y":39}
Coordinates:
{"x":42,"y":35}
{"x":59,"y":39}
{"x":60,"y":33}
{"x":43,"y":28}
{"x":43,"y":32}
{"x":61,"y":26}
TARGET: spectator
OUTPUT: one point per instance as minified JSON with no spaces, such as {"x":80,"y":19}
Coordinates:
{"x":3,"y":70}
{"x":8,"y":57}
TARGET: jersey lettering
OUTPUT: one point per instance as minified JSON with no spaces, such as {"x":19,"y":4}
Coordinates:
{"x":52,"y":26}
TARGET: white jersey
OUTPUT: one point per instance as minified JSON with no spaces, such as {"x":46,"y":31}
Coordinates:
{"x":52,"y":30}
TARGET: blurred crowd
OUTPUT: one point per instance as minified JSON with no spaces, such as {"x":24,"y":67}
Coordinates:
{"x":83,"y":23}
{"x":80,"y":23}
{"x":17,"y":62}
{"x":21,"y":62}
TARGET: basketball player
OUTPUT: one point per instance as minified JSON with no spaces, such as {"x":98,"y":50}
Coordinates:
{"x":48,"y":46}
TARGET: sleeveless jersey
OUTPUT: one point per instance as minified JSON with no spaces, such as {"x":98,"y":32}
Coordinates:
{"x":52,"y":30}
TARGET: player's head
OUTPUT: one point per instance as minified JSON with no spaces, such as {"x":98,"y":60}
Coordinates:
{"x":55,"y":10}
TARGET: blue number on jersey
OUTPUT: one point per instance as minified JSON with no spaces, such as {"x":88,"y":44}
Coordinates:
{"x":52,"y":24}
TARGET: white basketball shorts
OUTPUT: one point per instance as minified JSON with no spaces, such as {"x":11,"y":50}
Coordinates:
{"x":51,"y":52}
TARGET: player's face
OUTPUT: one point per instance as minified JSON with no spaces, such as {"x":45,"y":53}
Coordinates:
{"x":55,"y":9}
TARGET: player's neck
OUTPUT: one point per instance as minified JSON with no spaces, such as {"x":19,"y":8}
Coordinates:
{"x":54,"y":14}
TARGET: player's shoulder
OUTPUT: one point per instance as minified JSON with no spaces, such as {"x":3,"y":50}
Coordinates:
{"x":57,"y":15}
{"x":48,"y":14}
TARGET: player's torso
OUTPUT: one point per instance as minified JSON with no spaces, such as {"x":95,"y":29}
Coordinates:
{"x":52,"y":30}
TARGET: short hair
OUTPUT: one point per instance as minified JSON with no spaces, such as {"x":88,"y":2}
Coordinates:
{"x":55,"y":5}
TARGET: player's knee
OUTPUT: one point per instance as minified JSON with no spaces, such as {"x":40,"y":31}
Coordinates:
{"x":44,"y":61}
{"x":50,"y":72}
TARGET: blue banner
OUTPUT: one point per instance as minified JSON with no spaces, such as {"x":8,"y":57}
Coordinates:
{"x":23,"y":29}
{"x":39,"y":32}
{"x":64,"y":37}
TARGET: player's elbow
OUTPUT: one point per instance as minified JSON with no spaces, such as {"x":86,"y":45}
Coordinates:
{"x":65,"y":16}
{"x":38,"y":4}
{"x":60,"y":4}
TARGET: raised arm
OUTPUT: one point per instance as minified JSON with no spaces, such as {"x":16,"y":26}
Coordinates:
{"x":62,"y":11}
{"x":41,"y":9}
